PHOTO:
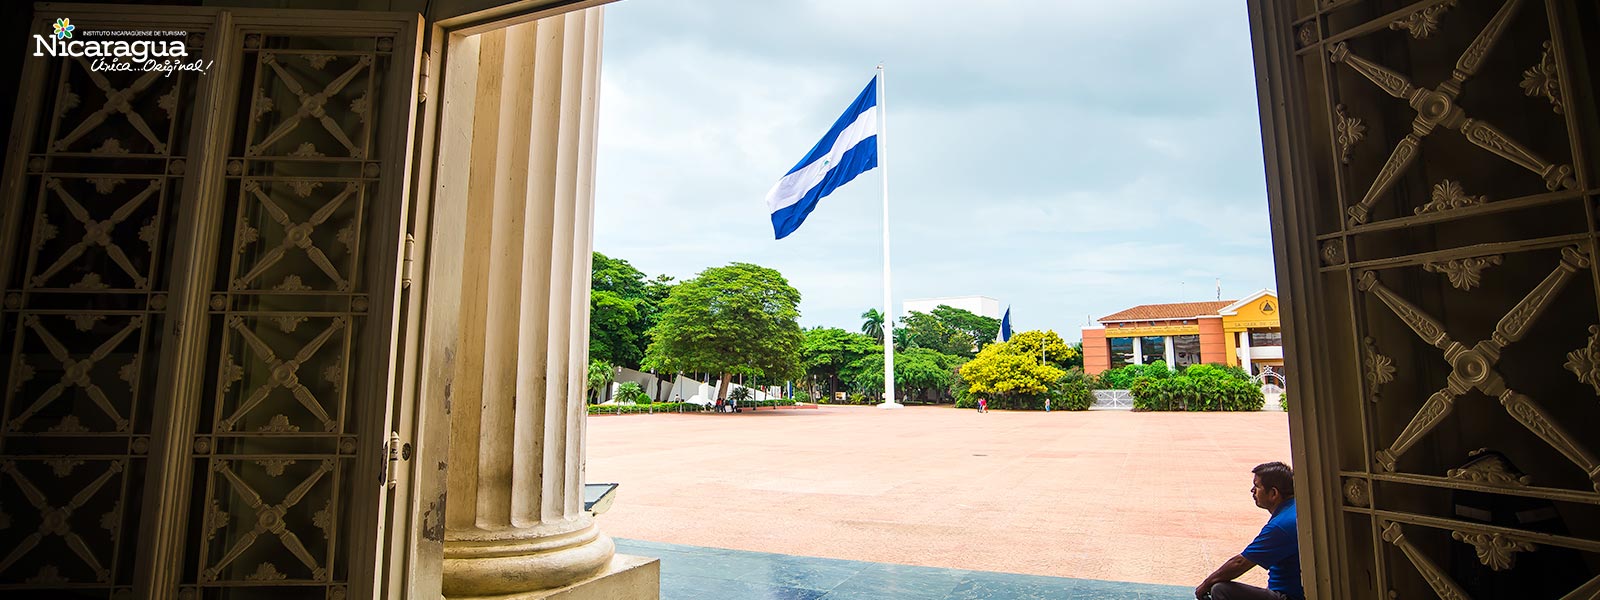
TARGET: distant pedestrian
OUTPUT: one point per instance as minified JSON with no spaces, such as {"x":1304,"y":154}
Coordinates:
{"x":983,"y":405}
{"x":1047,"y":405}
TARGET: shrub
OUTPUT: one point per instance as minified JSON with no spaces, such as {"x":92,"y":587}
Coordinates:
{"x":1283,"y":401}
{"x":1199,"y":388}
{"x":1122,"y":378}
{"x":740,"y":394}
{"x":630,"y":392}
{"x":631,"y":409}
{"x":1071,"y":391}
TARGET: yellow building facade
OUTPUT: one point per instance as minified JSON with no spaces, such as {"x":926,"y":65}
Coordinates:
{"x":1243,"y":333}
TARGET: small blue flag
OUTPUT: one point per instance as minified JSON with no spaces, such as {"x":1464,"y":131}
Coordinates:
{"x":1005,"y":326}
{"x":850,"y":148}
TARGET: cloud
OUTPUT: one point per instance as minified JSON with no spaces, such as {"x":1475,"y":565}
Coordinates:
{"x":1068,"y":158}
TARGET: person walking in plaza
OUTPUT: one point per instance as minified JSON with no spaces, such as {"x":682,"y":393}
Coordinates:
{"x":1276,"y":548}
{"x":983,"y":405}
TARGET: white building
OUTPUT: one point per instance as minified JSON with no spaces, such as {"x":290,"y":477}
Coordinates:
{"x":979,"y":305}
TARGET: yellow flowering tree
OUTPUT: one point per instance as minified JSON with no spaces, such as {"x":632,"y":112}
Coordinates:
{"x":1018,"y":373}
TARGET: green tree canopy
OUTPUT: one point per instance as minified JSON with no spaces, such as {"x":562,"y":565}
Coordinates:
{"x":916,"y":371}
{"x":622,"y":307}
{"x":947,"y":330}
{"x":741,"y":318}
{"x":827,"y":350}
{"x":980,"y":330}
{"x":612,"y":329}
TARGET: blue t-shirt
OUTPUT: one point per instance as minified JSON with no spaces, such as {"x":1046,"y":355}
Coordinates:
{"x":1277,"y":548}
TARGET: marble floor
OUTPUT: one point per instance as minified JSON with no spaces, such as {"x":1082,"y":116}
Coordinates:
{"x":699,"y":573}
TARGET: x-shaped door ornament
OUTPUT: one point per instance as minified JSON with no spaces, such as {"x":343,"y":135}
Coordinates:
{"x":76,"y":372}
{"x":97,"y":233}
{"x":284,"y":374}
{"x":56,"y":520}
{"x":1437,"y":108}
{"x":311,"y":105}
{"x":1474,"y":367}
{"x":269,"y":519}
{"x":297,"y":235}
{"x":119,"y":101}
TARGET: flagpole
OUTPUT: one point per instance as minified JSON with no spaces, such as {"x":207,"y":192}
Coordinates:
{"x":888,"y":314}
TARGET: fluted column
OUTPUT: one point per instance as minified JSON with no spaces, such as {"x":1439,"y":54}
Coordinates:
{"x":514,"y":518}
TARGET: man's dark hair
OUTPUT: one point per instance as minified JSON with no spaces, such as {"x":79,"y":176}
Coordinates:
{"x":1276,"y":475}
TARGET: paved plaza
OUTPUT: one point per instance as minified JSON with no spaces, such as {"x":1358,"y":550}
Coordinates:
{"x":1108,"y":495}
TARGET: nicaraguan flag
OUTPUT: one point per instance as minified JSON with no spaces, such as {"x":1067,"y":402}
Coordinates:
{"x":1005,"y":326}
{"x":850,"y":148}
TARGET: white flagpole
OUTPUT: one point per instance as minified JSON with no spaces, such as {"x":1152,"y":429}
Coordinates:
{"x":888,"y":314}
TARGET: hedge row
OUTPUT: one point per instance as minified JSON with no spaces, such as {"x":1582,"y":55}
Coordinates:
{"x":1199,"y":388}
{"x":631,"y":409}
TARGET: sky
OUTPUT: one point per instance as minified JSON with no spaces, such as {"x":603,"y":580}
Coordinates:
{"x":1069,"y":158}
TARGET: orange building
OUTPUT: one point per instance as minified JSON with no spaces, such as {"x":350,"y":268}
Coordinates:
{"x":1243,"y":333}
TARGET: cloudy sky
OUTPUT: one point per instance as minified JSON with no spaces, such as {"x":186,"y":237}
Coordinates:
{"x":1069,"y":158}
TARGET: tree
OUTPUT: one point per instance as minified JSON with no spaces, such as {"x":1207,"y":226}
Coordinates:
{"x":827,"y":350}
{"x":1055,"y":351}
{"x":622,"y":307}
{"x":613,"y":334}
{"x":600,"y":376}
{"x":948,"y":330}
{"x":742,"y":318}
{"x":873,"y":324}
{"x":978,"y":329}
{"x":1019,"y":372}
{"x":916,"y":371}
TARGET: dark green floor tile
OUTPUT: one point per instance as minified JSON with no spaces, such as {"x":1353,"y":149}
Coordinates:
{"x":688,"y":587}
{"x":802,"y":574}
{"x":696,"y":573}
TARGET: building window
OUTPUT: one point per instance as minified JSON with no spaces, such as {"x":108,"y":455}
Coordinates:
{"x":1155,"y":348}
{"x":1266,"y":337}
{"x":1121,"y":352}
{"x":1186,"y":349}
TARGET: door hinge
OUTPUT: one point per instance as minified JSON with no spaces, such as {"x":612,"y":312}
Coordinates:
{"x":407,"y":260}
{"x":397,"y":451}
{"x":422,"y":78}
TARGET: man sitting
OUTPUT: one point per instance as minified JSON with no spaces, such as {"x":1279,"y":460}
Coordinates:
{"x":1276,"y":548}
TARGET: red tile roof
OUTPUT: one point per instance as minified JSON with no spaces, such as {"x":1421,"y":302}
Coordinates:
{"x":1159,"y":312}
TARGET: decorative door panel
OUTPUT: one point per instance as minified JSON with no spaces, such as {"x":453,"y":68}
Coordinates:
{"x":1449,"y":188}
{"x":88,"y":248}
{"x":279,"y":440}
{"x":294,"y":223}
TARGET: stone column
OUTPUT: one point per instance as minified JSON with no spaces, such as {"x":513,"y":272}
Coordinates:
{"x":514,"y":518}
{"x":1172,"y":353}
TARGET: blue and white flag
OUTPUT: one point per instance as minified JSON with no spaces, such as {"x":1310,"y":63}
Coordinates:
{"x":1005,"y":326}
{"x":850,"y":148}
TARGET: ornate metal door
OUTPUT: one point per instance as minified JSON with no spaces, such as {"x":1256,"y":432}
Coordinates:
{"x":201,"y":279}
{"x":1433,"y":174}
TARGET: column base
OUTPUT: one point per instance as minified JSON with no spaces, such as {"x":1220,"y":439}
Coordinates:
{"x":891,"y":405}
{"x":492,"y":564}
{"x":626,"y":577}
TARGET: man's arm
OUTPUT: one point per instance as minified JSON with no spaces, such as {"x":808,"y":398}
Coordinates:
{"x":1229,"y":571}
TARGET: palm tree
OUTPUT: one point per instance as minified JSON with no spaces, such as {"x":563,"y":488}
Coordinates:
{"x":873,"y":326}
{"x":599,"y":378}
{"x":902,"y":339}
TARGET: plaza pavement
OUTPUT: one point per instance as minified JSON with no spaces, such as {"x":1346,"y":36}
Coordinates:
{"x":1109,"y":495}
